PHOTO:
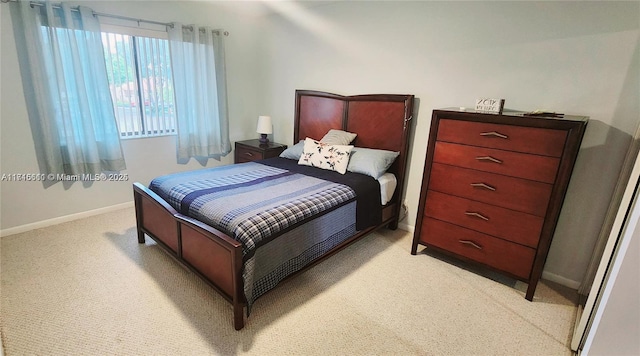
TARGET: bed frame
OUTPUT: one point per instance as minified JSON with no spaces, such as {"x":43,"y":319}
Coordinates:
{"x":381,"y":121}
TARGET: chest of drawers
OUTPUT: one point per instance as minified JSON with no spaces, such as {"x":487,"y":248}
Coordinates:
{"x":493,"y":187}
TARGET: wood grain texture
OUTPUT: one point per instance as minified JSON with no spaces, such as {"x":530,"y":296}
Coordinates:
{"x":512,"y":171}
{"x":317,"y":115}
{"x":511,"y":258}
{"x":509,"y":163}
{"x":513,"y":193}
{"x":507,"y":224}
{"x":548,"y":142}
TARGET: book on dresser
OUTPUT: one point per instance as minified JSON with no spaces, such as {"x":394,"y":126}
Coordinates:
{"x":493,"y":187}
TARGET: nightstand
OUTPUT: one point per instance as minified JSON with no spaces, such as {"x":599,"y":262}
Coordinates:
{"x":252,"y":150}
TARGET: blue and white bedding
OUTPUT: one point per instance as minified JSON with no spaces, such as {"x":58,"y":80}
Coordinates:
{"x":285,"y":215}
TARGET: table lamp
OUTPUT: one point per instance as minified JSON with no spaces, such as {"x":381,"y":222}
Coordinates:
{"x":264,"y":128}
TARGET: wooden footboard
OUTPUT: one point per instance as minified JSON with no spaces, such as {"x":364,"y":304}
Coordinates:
{"x":208,"y":252}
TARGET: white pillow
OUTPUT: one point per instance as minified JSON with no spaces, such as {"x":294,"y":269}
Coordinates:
{"x":338,"y":137}
{"x":325,"y":156}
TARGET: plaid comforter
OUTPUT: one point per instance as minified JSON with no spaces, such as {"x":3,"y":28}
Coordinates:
{"x":298,"y":213}
{"x":250,"y":202}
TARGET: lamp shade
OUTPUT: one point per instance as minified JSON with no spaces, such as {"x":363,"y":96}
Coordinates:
{"x":264,"y":125}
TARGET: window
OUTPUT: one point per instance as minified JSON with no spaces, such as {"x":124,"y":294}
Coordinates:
{"x":89,"y":86}
{"x":140,"y":82}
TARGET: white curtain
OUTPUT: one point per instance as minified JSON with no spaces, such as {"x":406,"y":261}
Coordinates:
{"x":199,"y":79}
{"x":65,"y":82}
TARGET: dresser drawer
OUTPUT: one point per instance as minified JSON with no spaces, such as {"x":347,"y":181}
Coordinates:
{"x":515,"y":164}
{"x":503,"y":255}
{"x":253,"y":150}
{"x":500,"y":222}
{"x":247,"y":154}
{"x":508,"y":192}
{"x":547,"y":142}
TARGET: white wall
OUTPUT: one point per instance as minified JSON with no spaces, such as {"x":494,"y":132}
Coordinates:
{"x":572,"y":57}
{"x":24,"y":203}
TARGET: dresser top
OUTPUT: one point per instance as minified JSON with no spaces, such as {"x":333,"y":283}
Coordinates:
{"x":515,"y":113}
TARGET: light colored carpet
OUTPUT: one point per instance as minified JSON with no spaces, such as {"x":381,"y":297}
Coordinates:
{"x":88,"y":288}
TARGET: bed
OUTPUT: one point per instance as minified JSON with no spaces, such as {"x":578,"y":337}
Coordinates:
{"x":241,"y":227}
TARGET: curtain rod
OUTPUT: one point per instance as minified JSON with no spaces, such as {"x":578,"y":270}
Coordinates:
{"x":75,"y":8}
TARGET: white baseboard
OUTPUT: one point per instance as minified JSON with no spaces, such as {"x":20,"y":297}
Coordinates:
{"x":63,"y":219}
{"x":561,"y":280}
{"x":406,"y":227}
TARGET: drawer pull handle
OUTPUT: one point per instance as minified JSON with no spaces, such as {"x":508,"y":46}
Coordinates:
{"x":493,"y":134}
{"x":478,"y":215}
{"x":470,"y":243}
{"x":489,"y":159}
{"x":249,"y":154}
{"x":482,"y":185}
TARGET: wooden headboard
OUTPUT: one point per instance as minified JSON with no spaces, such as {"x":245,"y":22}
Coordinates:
{"x":382,"y":121}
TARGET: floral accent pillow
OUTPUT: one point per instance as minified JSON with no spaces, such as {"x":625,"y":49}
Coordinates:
{"x":325,"y":156}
